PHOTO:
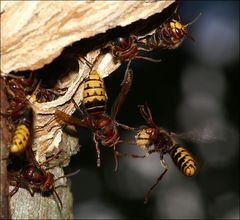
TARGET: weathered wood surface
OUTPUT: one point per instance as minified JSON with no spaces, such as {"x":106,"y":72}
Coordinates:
{"x":35,"y":32}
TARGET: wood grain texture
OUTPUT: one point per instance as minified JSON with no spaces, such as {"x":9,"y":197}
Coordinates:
{"x":35,"y":32}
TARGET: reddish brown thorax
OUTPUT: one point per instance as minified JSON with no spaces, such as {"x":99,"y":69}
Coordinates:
{"x":48,"y":183}
{"x":124,"y":48}
{"x":17,"y":90}
{"x":106,"y":130}
{"x":38,"y":177}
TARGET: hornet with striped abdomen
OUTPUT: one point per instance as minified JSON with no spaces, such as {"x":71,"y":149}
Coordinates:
{"x":19,"y":113}
{"x":93,"y":112}
{"x":152,"y":138}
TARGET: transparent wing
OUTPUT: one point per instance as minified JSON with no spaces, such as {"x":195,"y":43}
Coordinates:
{"x":202,"y":135}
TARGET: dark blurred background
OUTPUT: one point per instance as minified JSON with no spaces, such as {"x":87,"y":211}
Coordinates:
{"x":193,"y":90}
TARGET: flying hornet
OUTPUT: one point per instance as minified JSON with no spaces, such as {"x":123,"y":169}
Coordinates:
{"x":154,"y":139}
{"x":93,"y":112}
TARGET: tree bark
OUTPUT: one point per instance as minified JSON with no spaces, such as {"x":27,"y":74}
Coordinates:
{"x":34,"y":34}
{"x":4,"y":140}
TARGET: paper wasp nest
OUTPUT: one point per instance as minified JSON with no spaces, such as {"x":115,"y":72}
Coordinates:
{"x":34,"y":33}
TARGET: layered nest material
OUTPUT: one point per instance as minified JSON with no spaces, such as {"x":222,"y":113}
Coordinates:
{"x":41,"y":35}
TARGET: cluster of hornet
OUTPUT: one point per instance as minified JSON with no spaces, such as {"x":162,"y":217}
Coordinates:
{"x":23,"y":169}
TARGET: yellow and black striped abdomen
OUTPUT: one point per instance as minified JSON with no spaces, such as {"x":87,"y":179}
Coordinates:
{"x":21,"y":136}
{"x":20,"y":139}
{"x":184,"y":160}
{"x":94,"y":94}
